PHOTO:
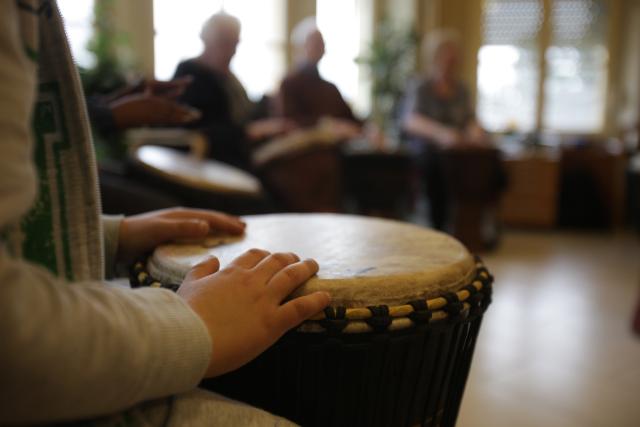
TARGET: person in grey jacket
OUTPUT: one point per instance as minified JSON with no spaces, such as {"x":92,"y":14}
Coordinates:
{"x":73,"y":349}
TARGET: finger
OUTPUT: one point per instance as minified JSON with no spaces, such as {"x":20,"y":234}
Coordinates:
{"x":217,"y":221}
{"x":274,"y":263}
{"x":184,"y":114}
{"x":188,"y":114}
{"x":300,"y":309}
{"x":203,"y":268}
{"x":173,"y":229}
{"x":291,"y":277}
{"x":250,"y":258}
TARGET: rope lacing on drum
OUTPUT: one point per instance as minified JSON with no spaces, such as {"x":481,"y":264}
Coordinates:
{"x":421,"y":313}
{"x":335,"y":319}
{"x":471,"y":300}
{"x":380,"y":319}
{"x":454,"y":307}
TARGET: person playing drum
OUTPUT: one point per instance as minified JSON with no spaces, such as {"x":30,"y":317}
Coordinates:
{"x":73,"y":348}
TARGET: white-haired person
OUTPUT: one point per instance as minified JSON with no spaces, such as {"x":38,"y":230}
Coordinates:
{"x":304,"y":96}
{"x":437,"y":115}
{"x":73,"y":349}
{"x":227,"y":114}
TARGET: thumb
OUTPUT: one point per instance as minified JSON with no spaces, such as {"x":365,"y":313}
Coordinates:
{"x":202,"y":269}
{"x":172,"y":229}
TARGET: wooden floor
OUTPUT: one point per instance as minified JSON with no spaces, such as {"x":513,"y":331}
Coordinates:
{"x":556,"y":348}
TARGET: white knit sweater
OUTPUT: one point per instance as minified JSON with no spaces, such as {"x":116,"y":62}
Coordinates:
{"x":70,"y":347}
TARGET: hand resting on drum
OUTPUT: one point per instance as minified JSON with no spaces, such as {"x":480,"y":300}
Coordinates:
{"x":141,"y":233}
{"x":242,"y":305}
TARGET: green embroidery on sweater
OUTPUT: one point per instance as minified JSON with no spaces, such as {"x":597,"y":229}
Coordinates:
{"x":31,"y":53}
{"x":45,"y":227}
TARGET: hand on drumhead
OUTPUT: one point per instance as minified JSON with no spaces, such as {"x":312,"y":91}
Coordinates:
{"x":141,"y":233}
{"x":242,"y":305}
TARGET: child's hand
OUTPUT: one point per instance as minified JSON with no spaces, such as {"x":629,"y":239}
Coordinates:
{"x":242,"y":304}
{"x":141,"y":233}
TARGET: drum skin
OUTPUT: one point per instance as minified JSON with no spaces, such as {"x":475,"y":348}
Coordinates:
{"x":363,"y":261}
{"x":374,"y":358}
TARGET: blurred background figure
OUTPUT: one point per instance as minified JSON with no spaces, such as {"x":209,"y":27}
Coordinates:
{"x":305,"y":97}
{"x":439,"y":119}
{"x":229,"y":118}
{"x":439,"y":107}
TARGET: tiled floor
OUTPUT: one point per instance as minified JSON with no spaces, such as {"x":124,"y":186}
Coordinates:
{"x":556,"y":348}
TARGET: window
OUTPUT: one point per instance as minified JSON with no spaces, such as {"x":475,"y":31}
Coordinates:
{"x":259,"y":62}
{"x":577,"y":61}
{"x":508,"y":65}
{"x":346,"y":26}
{"x":78,"y":17}
{"x":568,"y":94}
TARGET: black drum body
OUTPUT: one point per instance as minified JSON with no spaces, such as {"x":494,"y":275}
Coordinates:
{"x":413,"y":376}
{"x":394,"y":378}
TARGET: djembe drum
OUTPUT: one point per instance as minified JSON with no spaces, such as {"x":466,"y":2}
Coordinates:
{"x":395,"y":346}
{"x":302,"y":170}
{"x":202,"y":183}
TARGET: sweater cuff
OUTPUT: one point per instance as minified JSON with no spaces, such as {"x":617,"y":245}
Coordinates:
{"x":184,"y":346}
{"x":111,"y":230}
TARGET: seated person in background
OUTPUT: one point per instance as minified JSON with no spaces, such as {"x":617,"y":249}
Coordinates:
{"x":220,"y":97}
{"x":305,"y":97}
{"x":438,"y":105}
{"x":438,"y":115}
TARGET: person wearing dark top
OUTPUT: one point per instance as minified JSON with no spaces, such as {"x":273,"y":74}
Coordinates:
{"x":304,"y":96}
{"x":217,"y":93}
{"x":437,"y":116}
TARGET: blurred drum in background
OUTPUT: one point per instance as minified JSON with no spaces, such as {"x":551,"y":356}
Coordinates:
{"x":302,"y":170}
{"x":395,"y":346}
{"x":201,"y":183}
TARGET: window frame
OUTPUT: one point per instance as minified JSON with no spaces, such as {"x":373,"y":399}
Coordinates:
{"x":544,"y":41}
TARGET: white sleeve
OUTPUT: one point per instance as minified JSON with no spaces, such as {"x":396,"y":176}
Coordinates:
{"x":69,"y":351}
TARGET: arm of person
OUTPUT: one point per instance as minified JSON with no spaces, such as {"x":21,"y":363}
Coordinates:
{"x":425,"y":127}
{"x":72,"y":351}
{"x":80,"y":350}
{"x":475,"y":135}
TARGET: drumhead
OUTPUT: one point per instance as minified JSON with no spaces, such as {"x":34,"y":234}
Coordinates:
{"x":363,"y":261}
{"x":188,"y":170}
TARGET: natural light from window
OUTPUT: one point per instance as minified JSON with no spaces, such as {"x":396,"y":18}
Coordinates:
{"x":507,"y":86}
{"x":508,"y":65}
{"x":346,"y":28}
{"x":577,"y":63}
{"x":78,"y":17}
{"x":259,"y":62}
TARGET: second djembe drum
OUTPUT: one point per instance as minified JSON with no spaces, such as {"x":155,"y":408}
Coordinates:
{"x":394,"y":347}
